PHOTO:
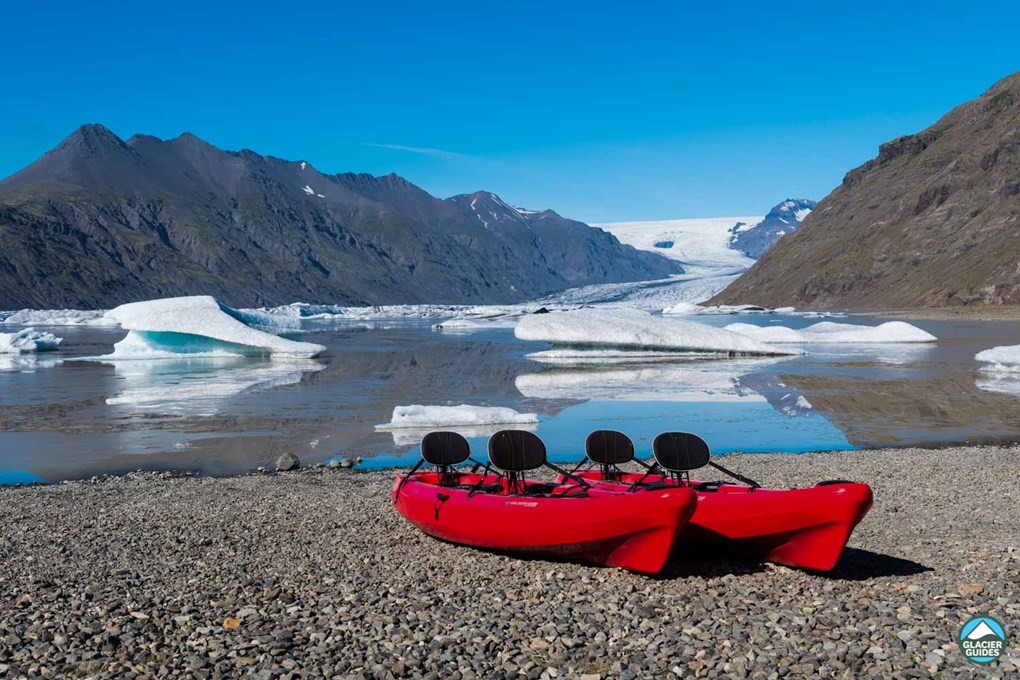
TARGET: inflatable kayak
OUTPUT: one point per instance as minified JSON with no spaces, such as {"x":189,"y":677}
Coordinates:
{"x":502,"y":510}
{"x":806,"y":528}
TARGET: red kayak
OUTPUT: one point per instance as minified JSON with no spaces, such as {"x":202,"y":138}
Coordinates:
{"x":504,"y":511}
{"x":806,"y":528}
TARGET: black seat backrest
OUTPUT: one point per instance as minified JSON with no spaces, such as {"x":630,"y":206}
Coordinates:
{"x":444,"y":449}
{"x":609,"y":447}
{"x":680,"y":451}
{"x":516,"y":451}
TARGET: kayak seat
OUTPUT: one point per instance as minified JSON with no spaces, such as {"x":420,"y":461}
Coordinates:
{"x":677,"y":453}
{"x":514,"y":453}
{"x":444,"y":450}
{"x":607,"y":449}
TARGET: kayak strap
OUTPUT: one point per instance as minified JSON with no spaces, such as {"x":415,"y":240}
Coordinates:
{"x":570,"y":475}
{"x":740,"y":478}
{"x":407,"y":477}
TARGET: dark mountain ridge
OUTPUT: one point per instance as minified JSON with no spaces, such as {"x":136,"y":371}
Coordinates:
{"x":98,"y":221}
{"x":932,"y":221}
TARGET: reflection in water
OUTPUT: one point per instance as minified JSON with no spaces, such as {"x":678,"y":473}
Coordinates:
{"x":711,"y":381}
{"x":199,"y":387}
{"x":1004,"y":382}
{"x":783,"y":398}
{"x":78,"y":418}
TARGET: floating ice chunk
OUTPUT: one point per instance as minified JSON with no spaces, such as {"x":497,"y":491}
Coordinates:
{"x":829,"y":332}
{"x":57,"y":317}
{"x":632,"y":328}
{"x":467,"y":325}
{"x":578,"y":356}
{"x":1004,"y":359}
{"x":198,"y":325}
{"x":683,"y":308}
{"x":413,"y":436}
{"x":735,"y":309}
{"x":28,"y":341}
{"x":417,"y":416}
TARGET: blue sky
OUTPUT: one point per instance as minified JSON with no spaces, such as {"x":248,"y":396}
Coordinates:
{"x":645,"y":110}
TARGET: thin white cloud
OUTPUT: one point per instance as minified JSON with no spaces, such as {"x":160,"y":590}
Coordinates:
{"x":424,"y":151}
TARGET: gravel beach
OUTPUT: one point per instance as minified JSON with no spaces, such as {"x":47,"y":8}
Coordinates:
{"x":312,"y":574}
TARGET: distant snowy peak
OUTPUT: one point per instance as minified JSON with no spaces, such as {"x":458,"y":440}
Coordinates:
{"x":755,"y":240}
{"x":490,"y":209}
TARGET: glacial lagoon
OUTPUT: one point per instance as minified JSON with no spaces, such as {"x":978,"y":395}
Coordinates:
{"x":62,"y":417}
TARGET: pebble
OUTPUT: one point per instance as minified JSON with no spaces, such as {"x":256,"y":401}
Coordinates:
{"x":313,"y":575}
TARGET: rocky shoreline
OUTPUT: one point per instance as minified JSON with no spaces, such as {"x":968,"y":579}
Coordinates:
{"x":312,"y":574}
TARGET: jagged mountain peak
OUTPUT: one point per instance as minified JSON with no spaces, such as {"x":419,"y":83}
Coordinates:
{"x":162,"y":218}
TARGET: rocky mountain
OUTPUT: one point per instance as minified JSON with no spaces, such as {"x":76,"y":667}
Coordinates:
{"x":755,"y":240}
{"x":99,"y":221}
{"x":934,"y":220}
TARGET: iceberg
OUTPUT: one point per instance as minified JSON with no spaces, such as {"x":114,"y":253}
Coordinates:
{"x":410,"y":423}
{"x":829,"y":332}
{"x":28,"y":341}
{"x":632,"y":328}
{"x":1005,"y":359}
{"x":199,"y":326}
{"x":417,"y":416}
{"x":579,"y":356}
{"x":56,"y":317}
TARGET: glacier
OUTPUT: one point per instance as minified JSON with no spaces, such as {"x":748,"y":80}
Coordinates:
{"x":635,"y":329}
{"x":841,"y":333}
{"x":200,"y":326}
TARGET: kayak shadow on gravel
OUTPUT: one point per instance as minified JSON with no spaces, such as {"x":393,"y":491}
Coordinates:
{"x":854,"y":565}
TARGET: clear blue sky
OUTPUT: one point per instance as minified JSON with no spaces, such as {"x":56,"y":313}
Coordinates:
{"x":603,"y":111}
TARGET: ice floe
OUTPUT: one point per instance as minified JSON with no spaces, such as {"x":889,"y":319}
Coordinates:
{"x":57,"y":317}
{"x":1005,"y":358}
{"x":631,"y":328}
{"x":28,"y":341}
{"x":198,"y":325}
{"x":410,"y":423}
{"x":829,"y":332}
{"x":417,"y":416}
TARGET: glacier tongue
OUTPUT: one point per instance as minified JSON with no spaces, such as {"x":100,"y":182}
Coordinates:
{"x":200,"y":325}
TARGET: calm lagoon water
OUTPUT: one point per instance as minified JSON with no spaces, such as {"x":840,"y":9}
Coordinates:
{"x":61,"y":417}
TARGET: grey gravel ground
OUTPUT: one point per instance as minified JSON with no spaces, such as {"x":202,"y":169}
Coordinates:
{"x":312,"y":573}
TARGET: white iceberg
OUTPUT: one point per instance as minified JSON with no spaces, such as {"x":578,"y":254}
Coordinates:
{"x":829,"y":332}
{"x":417,"y":416}
{"x":1005,"y":359}
{"x":575,"y":356}
{"x":28,"y":341}
{"x":56,"y":317}
{"x":198,"y":326}
{"x":471,"y":324}
{"x":633,"y":328}
{"x":413,"y":436}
